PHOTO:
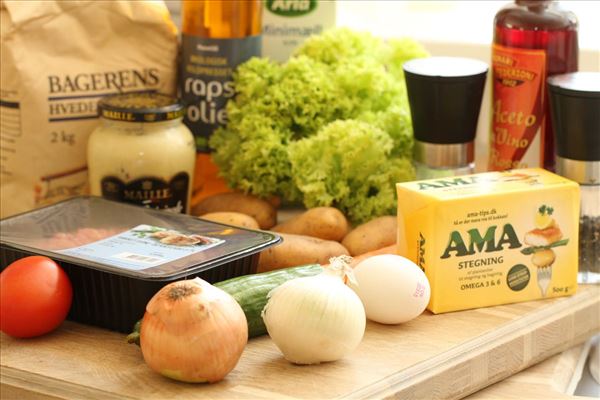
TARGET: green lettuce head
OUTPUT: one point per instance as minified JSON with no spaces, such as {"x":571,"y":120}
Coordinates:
{"x":329,"y":127}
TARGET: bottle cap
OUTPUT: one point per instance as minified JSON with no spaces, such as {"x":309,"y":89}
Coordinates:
{"x":140,"y":107}
{"x":575,"y":113}
{"x":445,"y":97}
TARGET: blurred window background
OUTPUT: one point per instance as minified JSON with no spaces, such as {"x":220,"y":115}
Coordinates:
{"x":454,"y":28}
{"x":450,"y":21}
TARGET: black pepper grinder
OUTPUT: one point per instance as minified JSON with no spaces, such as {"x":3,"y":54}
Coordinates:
{"x":575,"y":113}
{"x":445,"y":97}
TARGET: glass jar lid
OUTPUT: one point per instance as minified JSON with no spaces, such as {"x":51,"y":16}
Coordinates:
{"x":140,"y":107}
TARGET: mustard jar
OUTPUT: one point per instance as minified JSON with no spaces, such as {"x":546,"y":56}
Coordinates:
{"x":142,"y":153}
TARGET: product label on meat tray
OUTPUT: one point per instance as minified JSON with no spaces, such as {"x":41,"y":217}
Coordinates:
{"x":143,"y":247}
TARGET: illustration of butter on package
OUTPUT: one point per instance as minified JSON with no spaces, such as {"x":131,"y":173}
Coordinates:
{"x":491,"y":238}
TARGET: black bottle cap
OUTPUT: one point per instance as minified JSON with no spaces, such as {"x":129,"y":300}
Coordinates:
{"x":575,"y":113}
{"x":445,"y":97}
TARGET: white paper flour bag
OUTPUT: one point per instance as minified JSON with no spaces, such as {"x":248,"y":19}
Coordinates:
{"x":57,"y":59}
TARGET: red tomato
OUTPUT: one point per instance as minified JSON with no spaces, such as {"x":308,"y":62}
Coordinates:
{"x":35,"y":297}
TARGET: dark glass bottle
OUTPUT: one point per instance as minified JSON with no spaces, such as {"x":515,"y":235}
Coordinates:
{"x":532,"y":41}
{"x":217,"y":36}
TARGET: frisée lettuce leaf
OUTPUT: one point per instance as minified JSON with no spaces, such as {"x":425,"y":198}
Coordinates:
{"x":330,"y":127}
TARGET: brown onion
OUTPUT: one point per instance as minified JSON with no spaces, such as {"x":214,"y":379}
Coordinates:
{"x":193,"y":332}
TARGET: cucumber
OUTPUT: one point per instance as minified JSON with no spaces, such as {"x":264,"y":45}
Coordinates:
{"x":250,"y":291}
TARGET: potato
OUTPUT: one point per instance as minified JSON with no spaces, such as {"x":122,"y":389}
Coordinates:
{"x":326,"y":223}
{"x":232,"y":218}
{"x":262,"y":211}
{"x":298,"y":250}
{"x":375,"y":234}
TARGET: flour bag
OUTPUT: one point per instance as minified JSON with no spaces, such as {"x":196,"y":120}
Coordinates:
{"x":58,"y":58}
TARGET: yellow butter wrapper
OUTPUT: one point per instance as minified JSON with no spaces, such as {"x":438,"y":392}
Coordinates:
{"x":491,"y":238}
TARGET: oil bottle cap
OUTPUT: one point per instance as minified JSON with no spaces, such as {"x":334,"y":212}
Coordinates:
{"x":445,"y":97}
{"x":575,"y":113}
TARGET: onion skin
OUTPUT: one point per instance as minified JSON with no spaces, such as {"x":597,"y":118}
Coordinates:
{"x":315,"y":319}
{"x":193,"y":332}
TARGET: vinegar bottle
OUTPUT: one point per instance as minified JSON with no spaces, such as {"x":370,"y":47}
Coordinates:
{"x":533,"y":40}
{"x":218,"y":35}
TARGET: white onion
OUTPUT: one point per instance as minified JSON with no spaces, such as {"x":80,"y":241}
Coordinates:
{"x":318,"y":318}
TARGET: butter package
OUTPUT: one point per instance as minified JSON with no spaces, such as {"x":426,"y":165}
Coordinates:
{"x":491,"y":238}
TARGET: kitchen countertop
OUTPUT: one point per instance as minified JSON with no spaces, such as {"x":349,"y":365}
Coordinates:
{"x":434,"y":356}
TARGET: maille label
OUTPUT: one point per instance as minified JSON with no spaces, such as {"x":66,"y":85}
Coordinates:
{"x":150,"y":192}
{"x":517,"y":139}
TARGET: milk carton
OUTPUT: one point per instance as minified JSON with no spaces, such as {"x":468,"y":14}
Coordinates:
{"x":287,"y":23}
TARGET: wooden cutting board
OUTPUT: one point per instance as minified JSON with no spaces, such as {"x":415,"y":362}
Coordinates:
{"x":435,"y":356}
{"x":549,"y":379}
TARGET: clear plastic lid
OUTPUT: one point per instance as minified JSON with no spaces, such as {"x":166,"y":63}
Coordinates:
{"x":129,"y":240}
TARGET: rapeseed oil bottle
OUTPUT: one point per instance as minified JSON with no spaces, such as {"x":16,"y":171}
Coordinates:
{"x":217,"y":36}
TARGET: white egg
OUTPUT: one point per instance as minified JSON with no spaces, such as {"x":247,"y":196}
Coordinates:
{"x":392,"y":288}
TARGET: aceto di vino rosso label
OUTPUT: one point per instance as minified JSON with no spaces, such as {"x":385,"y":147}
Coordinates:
{"x":517,"y":137}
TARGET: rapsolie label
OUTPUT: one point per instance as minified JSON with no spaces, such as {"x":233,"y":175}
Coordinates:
{"x":207,"y":80}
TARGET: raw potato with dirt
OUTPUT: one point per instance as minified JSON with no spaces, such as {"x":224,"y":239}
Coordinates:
{"x":261,"y":210}
{"x":299,"y":250}
{"x":232,"y":218}
{"x":375,"y":234}
{"x":326,"y":223}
